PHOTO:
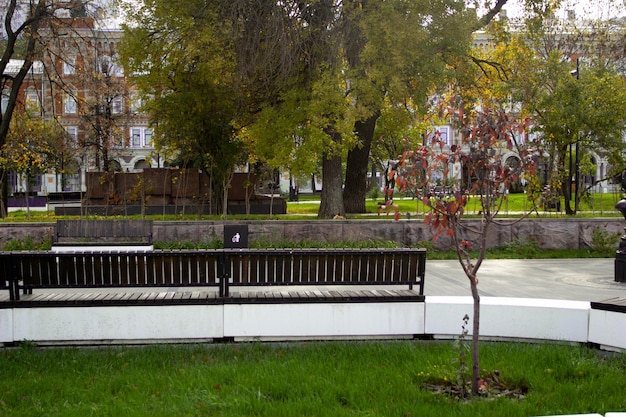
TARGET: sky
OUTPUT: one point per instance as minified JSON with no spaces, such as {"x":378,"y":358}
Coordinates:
{"x":603,"y":9}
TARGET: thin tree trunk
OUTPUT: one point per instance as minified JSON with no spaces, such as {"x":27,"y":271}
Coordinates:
{"x":226,"y":185}
{"x":475,"y":336}
{"x":567,"y":181}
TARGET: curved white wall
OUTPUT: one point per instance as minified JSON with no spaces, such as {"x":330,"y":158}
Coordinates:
{"x":516,"y":318}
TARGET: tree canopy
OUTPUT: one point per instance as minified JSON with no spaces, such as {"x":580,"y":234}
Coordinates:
{"x":300,"y":83}
{"x":566,"y":75}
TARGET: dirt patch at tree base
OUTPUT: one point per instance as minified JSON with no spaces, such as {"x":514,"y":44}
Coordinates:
{"x":489,"y":387}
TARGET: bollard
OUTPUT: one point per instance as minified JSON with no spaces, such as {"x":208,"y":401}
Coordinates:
{"x":620,"y":255}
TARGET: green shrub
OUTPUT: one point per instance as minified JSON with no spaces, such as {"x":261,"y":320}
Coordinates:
{"x":524,"y":246}
{"x":307,"y":243}
{"x":27,"y":244}
{"x":214,"y":243}
{"x":374,"y":193}
{"x":604,"y":242}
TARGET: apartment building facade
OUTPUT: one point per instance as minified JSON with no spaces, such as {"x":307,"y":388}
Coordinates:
{"x":79,"y":84}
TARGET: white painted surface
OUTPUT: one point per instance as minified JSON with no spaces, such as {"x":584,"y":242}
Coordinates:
{"x":607,"y":328}
{"x":118,"y":323}
{"x":103,"y":248}
{"x":6,"y":325}
{"x":572,"y":321}
{"x":316,"y":320}
{"x":510,"y":318}
{"x":577,"y":415}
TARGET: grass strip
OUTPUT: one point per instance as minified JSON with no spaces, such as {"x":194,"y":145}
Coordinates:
{"x":381,"y":378}
{"x":595,"y":205}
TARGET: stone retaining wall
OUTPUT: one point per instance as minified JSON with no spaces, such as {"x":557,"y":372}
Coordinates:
{"x":550,"y":233}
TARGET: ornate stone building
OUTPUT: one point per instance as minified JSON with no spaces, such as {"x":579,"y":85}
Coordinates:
{"x":79,"y":83}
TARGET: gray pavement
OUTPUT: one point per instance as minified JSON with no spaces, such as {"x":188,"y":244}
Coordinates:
{"x":565,"y":279}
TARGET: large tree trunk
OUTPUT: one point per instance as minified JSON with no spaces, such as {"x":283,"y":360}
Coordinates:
{"x":355,"y":189}
{"x":331,"y":203}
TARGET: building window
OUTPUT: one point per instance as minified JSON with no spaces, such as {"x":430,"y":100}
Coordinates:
{"x":69,"y":104}
{"x":519,"y":138}
{"x":141,"y":165}
{"x":117,"y":105}
{"x":105,"y":65}
{"x":443,"y":134}
{"x":72,"y":136}
{"x":148,"y":138}
{"x":32,"y":99}
{"x":110,"y":67}
{"x":36,"y":183}
{"x":135,"y":137}
{"x":70,"y":180}
{"x":140,"y":137}
{"x":69,"y":65}
{"x":5,"y":101}
{"x":117,"y":141}
{"x":116,"y":68}
{"x":137,"y":103}
{"x":12,"y":180}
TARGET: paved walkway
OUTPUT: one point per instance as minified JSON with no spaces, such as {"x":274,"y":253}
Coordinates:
{"x":566,"y":279}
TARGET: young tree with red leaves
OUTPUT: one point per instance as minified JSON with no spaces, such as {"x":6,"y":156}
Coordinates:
{"x":486,"y":135}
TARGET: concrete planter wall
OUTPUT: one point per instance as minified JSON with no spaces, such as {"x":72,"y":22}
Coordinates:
{"x":440,"y":317}
{"x":550,"y":233}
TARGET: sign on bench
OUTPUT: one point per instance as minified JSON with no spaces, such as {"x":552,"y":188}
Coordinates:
{"x":103,"y":235}
{"x":226,"y":268}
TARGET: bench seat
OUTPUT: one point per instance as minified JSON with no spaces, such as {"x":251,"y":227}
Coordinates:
{"x":163,"y":296}
{"x":615,"y":304}
{"x":343,"y":295}
{"x":151,"y":297}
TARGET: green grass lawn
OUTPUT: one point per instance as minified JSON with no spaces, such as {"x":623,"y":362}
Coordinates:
{"x":301,"y":379}
{"x":596,"y":205}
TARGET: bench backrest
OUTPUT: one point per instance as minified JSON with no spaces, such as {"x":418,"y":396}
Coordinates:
{"x":237,"y":267}
{"x":327,"y":267}
{"x":102,"y":270}
{"x":104,"y":229}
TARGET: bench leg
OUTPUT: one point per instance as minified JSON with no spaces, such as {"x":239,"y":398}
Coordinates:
{"x":223,"y":266}
{"x":14,"y":289}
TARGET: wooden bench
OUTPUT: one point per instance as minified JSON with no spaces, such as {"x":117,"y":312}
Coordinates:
{"x":615,"y":304}
{"x":96,"y":234}
{"x":324,"y":267}
{"x":321,"y":270}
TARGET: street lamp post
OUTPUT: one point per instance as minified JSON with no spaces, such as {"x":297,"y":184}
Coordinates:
{"x":575,"y":73}
{"x":620,"y":255}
